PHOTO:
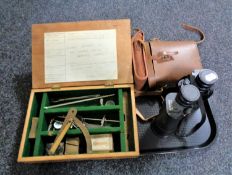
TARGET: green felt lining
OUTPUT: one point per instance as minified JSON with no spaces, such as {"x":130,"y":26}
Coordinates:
{"x":121,"y":118}
{"x":87,"y":108}
{"x":91,"y":131}
{"x":38,"y":150}
{"x":29,"y":143}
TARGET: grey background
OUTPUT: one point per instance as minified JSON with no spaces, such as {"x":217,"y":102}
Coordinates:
{"x":158,"y":19}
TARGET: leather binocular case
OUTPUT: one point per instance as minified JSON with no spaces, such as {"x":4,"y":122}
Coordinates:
{"x":156,"y":62}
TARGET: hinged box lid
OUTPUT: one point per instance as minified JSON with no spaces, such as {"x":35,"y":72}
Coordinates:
{"x":41,"y":37}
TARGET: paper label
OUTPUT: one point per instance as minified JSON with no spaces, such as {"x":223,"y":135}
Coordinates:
{"x":80,"y":56}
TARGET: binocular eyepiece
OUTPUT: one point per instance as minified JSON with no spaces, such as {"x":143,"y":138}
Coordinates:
{"x":205,"y":79}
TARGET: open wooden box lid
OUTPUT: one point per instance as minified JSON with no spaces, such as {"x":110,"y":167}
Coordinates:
{"x":123,"y":51}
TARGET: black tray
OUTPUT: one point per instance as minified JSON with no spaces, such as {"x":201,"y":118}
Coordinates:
{"x":150,"y":142}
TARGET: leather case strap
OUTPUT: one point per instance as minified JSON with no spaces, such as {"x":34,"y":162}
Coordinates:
{"x":194,"y":29}
{"x":150,"y":67}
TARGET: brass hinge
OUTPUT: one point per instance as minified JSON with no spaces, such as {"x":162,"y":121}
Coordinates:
{"x":55,"y":87}
{"x":109,"y":84}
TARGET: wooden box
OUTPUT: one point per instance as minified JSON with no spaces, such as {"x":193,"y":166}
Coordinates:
{"x":125,"y":134}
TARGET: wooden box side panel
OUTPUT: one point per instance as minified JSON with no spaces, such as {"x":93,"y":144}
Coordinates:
{"x":25,"y":128}
{"x":66,"y":158}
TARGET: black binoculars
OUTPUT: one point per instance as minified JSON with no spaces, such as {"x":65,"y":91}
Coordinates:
{"x":181,"y":104}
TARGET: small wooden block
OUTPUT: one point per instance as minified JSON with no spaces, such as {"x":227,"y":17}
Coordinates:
{"x":102,"y":143}
{"x":34,"y":123}
{"x":72,"y":146}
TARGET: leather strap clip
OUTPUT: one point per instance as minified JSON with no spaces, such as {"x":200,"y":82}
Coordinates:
{"x":165,"y":56}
